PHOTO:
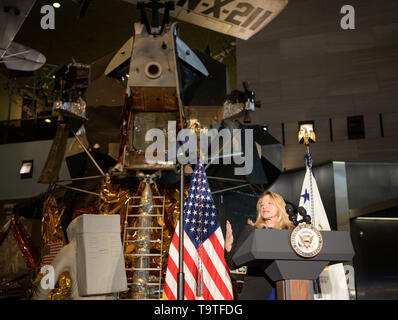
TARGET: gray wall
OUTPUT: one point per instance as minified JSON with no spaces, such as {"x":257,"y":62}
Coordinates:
{"x":303,"y":66}
{"x":369,"y":183}
{"x":12,"y":155}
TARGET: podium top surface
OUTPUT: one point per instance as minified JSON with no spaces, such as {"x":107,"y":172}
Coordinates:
{"x":272,"y":244}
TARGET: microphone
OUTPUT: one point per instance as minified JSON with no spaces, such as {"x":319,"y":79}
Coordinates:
{"x":293,"y":212}
{"x":306,"y":217}
{"x":301,"y":211}
{"x":289,"y":208}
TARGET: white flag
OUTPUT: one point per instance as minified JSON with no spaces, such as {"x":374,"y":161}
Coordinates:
{"x":332,"y":281}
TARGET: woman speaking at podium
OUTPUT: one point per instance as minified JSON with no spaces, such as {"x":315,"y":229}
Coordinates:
{"x":271,"y":214}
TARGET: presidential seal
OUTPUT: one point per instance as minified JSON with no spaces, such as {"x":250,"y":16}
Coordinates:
{"x":306,"y":240}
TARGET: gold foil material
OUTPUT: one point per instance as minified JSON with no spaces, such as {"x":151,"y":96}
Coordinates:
{"x":143,"y":238}
{"x":88,"y":210}
{"x":171,"y":217}
{"x":169,"y":221}
{"x":51,"y":229}
{"x":62,"y":289}
{"x":112,"y":198}
{"x":52,"y":232}
{"x":25,"y":244}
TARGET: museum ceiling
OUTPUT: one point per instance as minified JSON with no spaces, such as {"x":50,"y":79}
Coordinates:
{"x":104,"y":28}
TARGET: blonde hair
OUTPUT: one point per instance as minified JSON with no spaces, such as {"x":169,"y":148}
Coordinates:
{"x":283,"y":219}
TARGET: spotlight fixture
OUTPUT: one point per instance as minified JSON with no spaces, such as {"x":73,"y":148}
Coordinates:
{"x":56,"y":5}
{"x":26,"y":170}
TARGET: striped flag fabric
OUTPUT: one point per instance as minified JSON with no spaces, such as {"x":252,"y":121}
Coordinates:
{"x":205,"y":270}
{"x":50,"y":251}
{"x":331,"y":284}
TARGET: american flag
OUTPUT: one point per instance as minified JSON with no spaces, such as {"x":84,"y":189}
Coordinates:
{"x":50,"y":251}
{"x":206,"y":273}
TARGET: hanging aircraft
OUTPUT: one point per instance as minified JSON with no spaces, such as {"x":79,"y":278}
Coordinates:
{"x":16,"y":56}
{"x":241,"y":19}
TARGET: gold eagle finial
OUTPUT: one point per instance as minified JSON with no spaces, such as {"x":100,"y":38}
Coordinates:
{"x":306,"y":134}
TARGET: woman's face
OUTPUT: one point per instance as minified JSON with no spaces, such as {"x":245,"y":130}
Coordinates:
{"x":269,"y":211}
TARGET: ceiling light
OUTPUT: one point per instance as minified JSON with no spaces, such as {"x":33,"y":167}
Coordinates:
{"x":48,"y":120}
{"x":56,"y":5}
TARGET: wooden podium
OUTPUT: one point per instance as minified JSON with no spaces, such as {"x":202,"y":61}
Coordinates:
{"x":271,"y":251}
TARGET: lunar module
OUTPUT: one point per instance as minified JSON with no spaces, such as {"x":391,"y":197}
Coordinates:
{"x":168,"y":88}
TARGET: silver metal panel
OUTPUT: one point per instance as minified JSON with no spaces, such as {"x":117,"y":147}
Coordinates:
{"x":187,"y":55}
{"x":121,"y":56}
{"x":341,"y":196}
{"x":144,"y":121}
{"x":156,"y":51}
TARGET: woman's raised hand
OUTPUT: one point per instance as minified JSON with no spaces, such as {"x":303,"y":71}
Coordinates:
{"x":229,"y":238}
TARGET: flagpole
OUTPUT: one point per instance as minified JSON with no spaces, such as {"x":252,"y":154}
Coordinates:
{"x":306,"y":135}
{"x":181,"y":277}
